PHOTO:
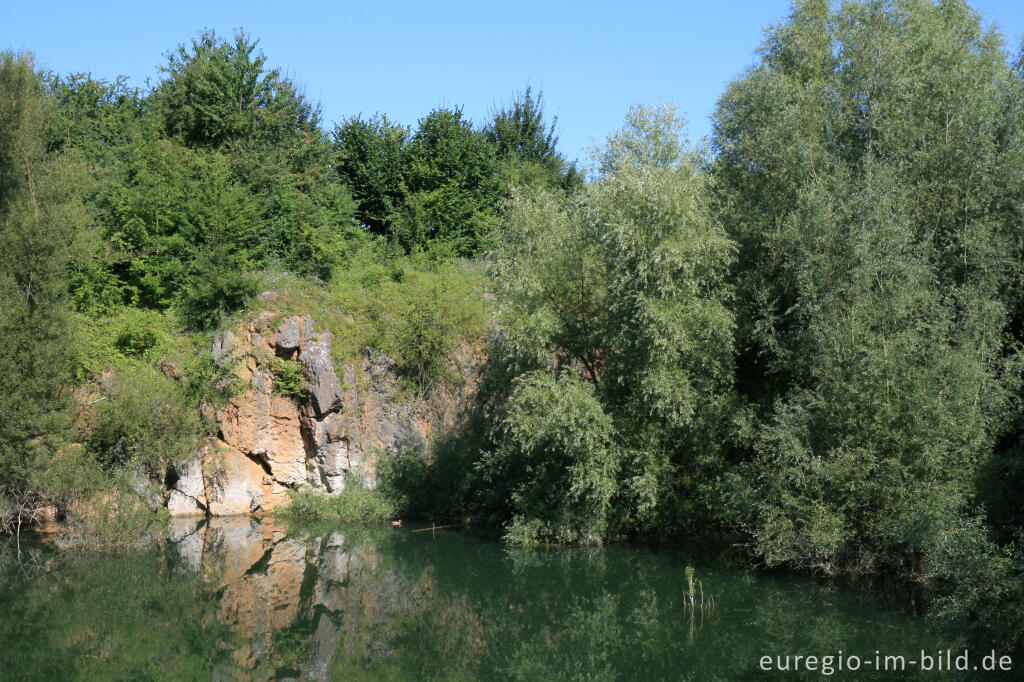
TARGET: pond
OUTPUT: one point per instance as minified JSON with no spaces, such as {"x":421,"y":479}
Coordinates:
{"x":242,"y":598}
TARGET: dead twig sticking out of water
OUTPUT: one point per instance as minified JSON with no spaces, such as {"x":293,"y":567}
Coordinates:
{"x":433,"y":528}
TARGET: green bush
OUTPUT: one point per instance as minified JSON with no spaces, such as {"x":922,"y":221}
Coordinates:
{"x":218,"y":285}
{"x":289,"y":378}
{"x":405,"y":481}
{"x":143,"y":416}
{"x":355,"y":503}
{"x":558,"y":459}
{"x":414,"y":309}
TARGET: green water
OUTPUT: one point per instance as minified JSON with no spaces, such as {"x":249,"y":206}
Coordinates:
{"x":239,"y":599}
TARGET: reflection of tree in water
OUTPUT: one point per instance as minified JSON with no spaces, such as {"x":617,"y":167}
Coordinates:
{"x":105,"y":616}
{"x":244,"y":599}
{"x":388,"y":604}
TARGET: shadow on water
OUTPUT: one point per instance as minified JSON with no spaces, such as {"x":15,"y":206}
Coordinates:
{"x":249,"y":599}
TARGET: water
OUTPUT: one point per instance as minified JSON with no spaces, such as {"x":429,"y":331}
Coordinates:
{"x":240,"y":599}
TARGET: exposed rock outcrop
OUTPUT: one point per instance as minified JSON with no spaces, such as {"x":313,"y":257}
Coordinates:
{"x":269,"y":442}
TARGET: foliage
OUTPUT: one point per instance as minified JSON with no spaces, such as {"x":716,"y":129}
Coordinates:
{"x":218,"y":92}
{"x":405,"y":480}
{"x":370,"y":158}
{"x":652,"y":137}
{"x":558,"y":459}
{"x":114,"y":518}
{"x":523,"y":140}
{"x":871,"y":275}
{"x":142,"y":416}
{"x":39,"y":216}
{"x":450,"y":176}
{"x":289,"y":378}
{"x":413,"y":309}
{"x":354,"y":503}
{"x":615,"y":334}
{"x":431,"y":313}
{"x":217,"y":284}
{"x":981,"y":593}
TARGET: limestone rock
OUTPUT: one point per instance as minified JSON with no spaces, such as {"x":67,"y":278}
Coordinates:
{"x":267,"y":427}
{"x":179,"y":504}
{"x":292,"y":333}
{"x":324,"y":387}
{"x":268,"y":444}
{"x":223,"y":344}
{"x":234,"y":482}
{"x":188,"y":492}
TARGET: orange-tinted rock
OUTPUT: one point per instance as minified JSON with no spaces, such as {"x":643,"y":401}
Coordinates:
{"x":270,"y":443}
{"x":267,"y":427}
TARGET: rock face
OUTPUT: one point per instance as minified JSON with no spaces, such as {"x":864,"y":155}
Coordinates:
{"x":268,"y":442}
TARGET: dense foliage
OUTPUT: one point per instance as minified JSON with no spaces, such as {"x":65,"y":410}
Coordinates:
{"x":39,"y":219}
{"x":805,"y":338}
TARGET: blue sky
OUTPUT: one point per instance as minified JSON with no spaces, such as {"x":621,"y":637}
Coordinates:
{"x":591,"y":59}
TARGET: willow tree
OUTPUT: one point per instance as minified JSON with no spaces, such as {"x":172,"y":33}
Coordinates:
{"x":869,"y":169}
{"x":613,"y":310}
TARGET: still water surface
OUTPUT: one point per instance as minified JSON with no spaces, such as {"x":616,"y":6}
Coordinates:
{"x":244,"y":599}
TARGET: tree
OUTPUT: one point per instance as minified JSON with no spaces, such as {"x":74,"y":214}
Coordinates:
{"x":450,"y":177}
{"x":369,"y":156}
{"x":652,"y":137}
{"x":619,"y":289}
{"x":522,"y":139}
{"x":170,"y":202}
{"x":867,"y":168}
{"x":39,"y":215}
{"x":219,"y":92}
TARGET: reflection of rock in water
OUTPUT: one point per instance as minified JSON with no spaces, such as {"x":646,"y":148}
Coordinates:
{"x":296,"y":603}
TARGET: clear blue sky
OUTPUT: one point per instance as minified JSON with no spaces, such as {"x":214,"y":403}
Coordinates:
{"x":591,"y":59}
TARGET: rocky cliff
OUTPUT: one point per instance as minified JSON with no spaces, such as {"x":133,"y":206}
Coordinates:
{"x":328,"y":433}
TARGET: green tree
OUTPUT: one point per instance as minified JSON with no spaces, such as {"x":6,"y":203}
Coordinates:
{"x":524,"y":142}
{"x":370,"y":159}
{"x":867,"y":168}
{"x":170,"y":203}
{"x":653,"y":137}
{"x":450,"y":176}
{"x":221,"y":95}
{"x":39,"y":216}
{"x":620,"y":288}
{"x":218,"y":92}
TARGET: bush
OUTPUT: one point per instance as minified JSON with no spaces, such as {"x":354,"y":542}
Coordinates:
{"x":111,"y":519}
{"x":219,"y":285}
{"x":143,"y":416}
{"x":405,"y":481}
{"x":289,"y":379}
{"x":558,"y":460}
{"x":415,"y":310}
{"x":979,"y":591}
{"x":355,"y":503}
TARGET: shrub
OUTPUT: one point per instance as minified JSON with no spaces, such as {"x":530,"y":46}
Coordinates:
{"x":220,"y":284}
{"x":405,"y":481}
{"x":355,"y":503}
{"x":143,"y":416}
{"x":558,"y":460}
{"x":289,"y":379}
